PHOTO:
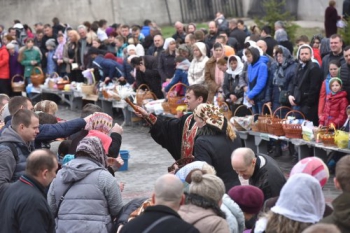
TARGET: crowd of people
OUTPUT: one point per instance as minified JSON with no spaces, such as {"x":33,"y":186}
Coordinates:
{"x":77,"y":191}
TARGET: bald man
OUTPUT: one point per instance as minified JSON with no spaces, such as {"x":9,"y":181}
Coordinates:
{"x":261,"y":171}
{"x":180,"y":34}
{"x":23,"y":207}
{"x":157,"y":47}
{"x":162,"y":217}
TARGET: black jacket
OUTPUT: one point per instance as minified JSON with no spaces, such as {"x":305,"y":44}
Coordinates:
{"x":153,"y":213}
{"x":344,"y":76}
{"x":309,"y":79}
{"x":216,"y":150}
{"x":271,"y":43}
{"x":24,"y":208}
{"x":331,"y":57}
{"x":240,"y":36}
{"x":166,"y":65}
{"x":268,"y":177}
{"x":151,"y":76}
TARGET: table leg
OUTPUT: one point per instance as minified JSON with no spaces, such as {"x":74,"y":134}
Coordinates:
{"x":107,"y":107}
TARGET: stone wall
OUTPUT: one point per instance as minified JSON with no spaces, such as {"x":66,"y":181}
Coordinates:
{"x":76,"y":11}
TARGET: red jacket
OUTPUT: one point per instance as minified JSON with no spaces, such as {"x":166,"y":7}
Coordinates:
{"x":4,"y":63}
{"x":334,"y":110}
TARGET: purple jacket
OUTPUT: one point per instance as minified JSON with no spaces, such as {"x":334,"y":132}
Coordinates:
{"x":15,"y":66}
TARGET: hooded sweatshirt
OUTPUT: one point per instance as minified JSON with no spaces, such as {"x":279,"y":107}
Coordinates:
{"x":257,"y":73}
{"x":93,"y":208}
{"x":196,"y":72}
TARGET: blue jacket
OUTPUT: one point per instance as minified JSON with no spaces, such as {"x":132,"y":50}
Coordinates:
{"x":258,"y":71}
{"x":109,"y":67}
{"x":49,"y":132}
{"x":180,"y":75}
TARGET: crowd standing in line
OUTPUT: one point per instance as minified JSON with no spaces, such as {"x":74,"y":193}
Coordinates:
{"x":247,"y":66}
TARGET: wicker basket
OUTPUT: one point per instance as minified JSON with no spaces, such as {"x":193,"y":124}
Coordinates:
{"x":144,"y":94}
{"x":175,"y":100}
{"x":264,"y":119}
{"x":327,"y":136}
{"x":293,"y":130}
{"x":236,"y":124}
{"x":60,"y":85}
{"x":17,"y":86}
{"x":88,"y":89}
{"x":166,"y":107}
{"x":275,"y":123}
{"x":37,"y":78}
{"x":255,"y":124}
{"x":226,"y":111}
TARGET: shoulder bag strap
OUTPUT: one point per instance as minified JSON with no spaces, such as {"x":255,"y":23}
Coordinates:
{"x":62,"y":198}
{"x":148,"y":229}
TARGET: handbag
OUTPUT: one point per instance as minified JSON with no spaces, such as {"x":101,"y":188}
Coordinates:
{"x":283,"y":98}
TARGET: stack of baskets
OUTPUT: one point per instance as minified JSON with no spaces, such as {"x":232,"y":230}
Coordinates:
{"x":275,"y":123}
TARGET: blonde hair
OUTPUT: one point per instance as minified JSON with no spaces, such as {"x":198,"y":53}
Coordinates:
{"x":277,"y":223}
{"x":75,"y":34}
{"x":46,"y":106}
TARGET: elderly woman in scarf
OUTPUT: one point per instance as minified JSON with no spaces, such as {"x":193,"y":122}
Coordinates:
{"x":215,"y":142}
{"x":214,"y":77}
{"x":95,"y":209}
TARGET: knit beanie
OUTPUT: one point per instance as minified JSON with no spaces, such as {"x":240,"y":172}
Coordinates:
{"x":249,"y":198}
{"x":51,"y":43}
{"x":10,"y":46}
{"x":207,"y":186}
{"x":335,"y":79}
{"x":314,"y":167}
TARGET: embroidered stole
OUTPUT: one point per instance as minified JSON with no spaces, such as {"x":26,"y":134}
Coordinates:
{"x":188,"y":136}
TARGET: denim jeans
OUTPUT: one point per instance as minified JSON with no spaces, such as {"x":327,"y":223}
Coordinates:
{"x":257,"y":107}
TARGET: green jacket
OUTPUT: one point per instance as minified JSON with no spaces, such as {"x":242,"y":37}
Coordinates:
{"x":341,"y":214}
{"x":28,"y":56}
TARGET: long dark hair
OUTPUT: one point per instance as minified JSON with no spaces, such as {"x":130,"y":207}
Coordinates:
{"x":205,"y":203}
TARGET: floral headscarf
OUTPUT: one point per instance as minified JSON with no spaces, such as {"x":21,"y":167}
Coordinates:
{"x":92,"y":147}
{"x":212,"y":116}
{"x":100,"y":121}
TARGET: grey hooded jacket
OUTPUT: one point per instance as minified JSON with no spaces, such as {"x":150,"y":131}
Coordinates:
{"x":91,"y":201}
{"x":10,"y":169}
{"x":234,"y":215}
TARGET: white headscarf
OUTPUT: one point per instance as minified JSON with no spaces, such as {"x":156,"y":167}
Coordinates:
{"x":301,"y":199}
{"x":167,"y":42}
{"x":238,"y":69}
{"x":185,"y":170}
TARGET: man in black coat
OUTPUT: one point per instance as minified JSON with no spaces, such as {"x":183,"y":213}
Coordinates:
{"x":23,"y":207}
{"x":162,"y":217}
{"x":305,"y":86}
{"x":236,"y":33}
{"x":266,"y":36}
{"x":262,"y":171}
{"x":345,"y":71}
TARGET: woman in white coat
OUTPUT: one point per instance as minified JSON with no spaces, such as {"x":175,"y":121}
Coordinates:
{"x":196,"y":71}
